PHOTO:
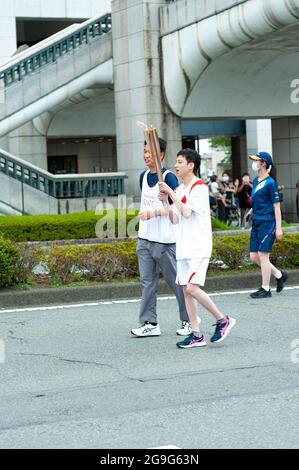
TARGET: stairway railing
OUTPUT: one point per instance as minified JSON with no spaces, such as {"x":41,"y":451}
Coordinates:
{"x":36,"y":57}
{"x":62,"y":186}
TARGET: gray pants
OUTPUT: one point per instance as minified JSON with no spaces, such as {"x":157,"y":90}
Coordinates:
{"x":152,"y":258}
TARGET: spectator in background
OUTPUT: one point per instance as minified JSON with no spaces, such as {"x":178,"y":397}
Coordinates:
{"x":228,"y":190}
{"x":244,"y":195}
{"x":215,"y":192}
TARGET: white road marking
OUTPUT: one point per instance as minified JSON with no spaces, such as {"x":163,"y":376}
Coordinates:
{"x":165,"y":447}
{"x":123,"y":302}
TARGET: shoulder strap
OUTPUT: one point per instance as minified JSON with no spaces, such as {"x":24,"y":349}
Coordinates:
{"x":198,"y":183}
{"x":165,"y":174}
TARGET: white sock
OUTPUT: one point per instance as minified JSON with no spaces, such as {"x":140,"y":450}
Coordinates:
{"x":278,"y":275}
{"x":267,"y":288}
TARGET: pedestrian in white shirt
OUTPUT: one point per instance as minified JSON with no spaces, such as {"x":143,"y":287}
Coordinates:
{"x":190,"y":214}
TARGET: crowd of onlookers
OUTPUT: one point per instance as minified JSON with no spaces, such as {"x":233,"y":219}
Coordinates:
{"x":230,"y":199}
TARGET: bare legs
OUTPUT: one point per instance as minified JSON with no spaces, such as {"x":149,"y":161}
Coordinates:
{"x":263,"y":260}
{"x":194,"y":294}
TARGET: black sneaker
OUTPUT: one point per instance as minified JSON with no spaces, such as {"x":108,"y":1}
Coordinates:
{"x":261,"y":294}
{"x":281,"y":282}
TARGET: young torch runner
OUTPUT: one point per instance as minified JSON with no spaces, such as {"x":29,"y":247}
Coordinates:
{"x":191,"y":215}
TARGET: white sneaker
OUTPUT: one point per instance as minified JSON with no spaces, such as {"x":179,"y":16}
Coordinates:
{"x":147,"y":330}
{"x":186,"y":328}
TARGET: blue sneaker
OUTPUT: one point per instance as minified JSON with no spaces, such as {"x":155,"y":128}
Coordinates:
{"x":192,"y":341}
{"x":223,"y":327}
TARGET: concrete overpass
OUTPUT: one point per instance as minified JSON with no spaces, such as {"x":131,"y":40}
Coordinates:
{"x":186,"y":59}
{"x":234,"y":63}
{"x":237,"y":59}
{"x":57,"y":71}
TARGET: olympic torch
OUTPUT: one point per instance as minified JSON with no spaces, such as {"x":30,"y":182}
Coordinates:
{"x":152,"y":140}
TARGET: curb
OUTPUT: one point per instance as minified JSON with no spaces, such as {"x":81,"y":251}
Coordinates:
{"x":294,"y":229}
{"x":12,"y":298}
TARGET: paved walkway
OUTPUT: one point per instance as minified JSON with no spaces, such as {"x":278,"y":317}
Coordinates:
{"x":73,"y":377}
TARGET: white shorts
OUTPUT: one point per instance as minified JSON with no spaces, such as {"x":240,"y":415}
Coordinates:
{"x":192,"y":271}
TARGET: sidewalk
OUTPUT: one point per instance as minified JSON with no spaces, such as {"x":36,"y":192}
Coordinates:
{"x":63,"y":295}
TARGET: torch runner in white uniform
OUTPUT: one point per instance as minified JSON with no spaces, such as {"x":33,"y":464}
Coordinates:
{"x":190,"y":214}
{"x":156,"y":248}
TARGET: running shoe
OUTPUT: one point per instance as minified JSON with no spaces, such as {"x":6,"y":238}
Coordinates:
{"x":222,"y":329}
{"x":186,"y":328}
{"x":261,"y":294}
{"x":281,"y":282}
{"x":192,"y":341}
{"x":146,"y":330}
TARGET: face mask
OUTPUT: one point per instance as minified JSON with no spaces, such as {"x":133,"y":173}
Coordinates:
{"x":225,"y":179}
{"x":254,"y":166}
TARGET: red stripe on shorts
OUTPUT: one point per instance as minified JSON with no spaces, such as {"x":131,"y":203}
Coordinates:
{"x":191,"y":277}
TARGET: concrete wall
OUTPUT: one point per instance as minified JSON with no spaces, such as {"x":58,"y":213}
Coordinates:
{"x":10,"y":10}
{"x":137,"y":82}
{"x":94,"y":117}
{"x":53,"y":76}
{"x":286,"y":158}
{"x":93,"y":157}
{"x":30,"y":145}
{"x":24,"y":198}
{"x":34,"y":202}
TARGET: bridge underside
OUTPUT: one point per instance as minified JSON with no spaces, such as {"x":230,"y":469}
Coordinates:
{"x":251,"y":81}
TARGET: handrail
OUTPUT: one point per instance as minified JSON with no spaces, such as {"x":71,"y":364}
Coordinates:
{"x":31,"y":60}
{"x":62,"y":186}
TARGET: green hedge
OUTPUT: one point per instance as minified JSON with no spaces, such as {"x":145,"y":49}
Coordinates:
{"x":81,"y":225}
{"x":73,"y":226}
{"x":118,"y":261}
{"x":9,"y":255}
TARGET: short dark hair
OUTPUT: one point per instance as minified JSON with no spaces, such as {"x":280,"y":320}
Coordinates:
{"x":162,"y":143}
{"x":192,"y":157}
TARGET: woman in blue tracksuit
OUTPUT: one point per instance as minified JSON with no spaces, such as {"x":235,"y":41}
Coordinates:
{"x":266,"y":224}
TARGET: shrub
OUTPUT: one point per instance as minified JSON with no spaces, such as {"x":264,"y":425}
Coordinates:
{"x":118,"y":261}
{"x":218,"y":225}
{"x":83,"y":225}
{"x":286,"y":252}
{"x":62,"y":227}
{"x":101,"y":262}
{"x":29,"y":257}
{"x":8,"y":259}
{"x":232,"y":250}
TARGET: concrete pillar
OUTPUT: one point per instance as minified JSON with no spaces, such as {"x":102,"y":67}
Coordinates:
{"x":285,"y":133}
{"x":239,"y":156}
{"x":138,"y":87}
{"x":27,"y":143}
{"x":259,"y":138}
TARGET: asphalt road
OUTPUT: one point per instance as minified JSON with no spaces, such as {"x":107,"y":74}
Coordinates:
{"x":73,"y":377}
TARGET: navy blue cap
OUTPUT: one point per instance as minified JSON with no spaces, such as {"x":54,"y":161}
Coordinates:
{"x":262,"y":156}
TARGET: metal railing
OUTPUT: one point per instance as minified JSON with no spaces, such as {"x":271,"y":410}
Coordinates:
{"x":62,"y":186}
{"x":30,"y":61}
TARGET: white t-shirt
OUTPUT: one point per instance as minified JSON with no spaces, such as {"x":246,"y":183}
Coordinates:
{"x":214,"y":188}
{"x":157,"y":229}
{"x":194,"y":235}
